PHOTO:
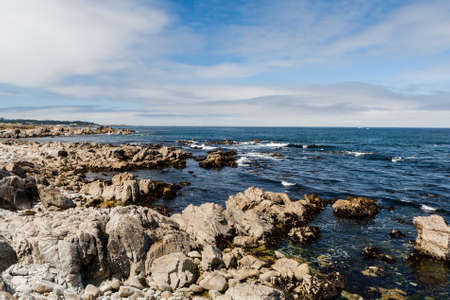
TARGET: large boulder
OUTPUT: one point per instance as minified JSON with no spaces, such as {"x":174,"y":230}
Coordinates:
{"x":173,"y":271}
{"x":16,"y":192}
{"x":127,"y":244}
{"x":8,"y":256}
{"x":206,"y":224}
{"x":87,"y":245}
{"x":355,"y":207}
{"x":52,"y":197}
{"x":219,"y":159}
{"x":433,"y":237}
{"x":251,"y":291}
{"x":266,"y":216}
{"x":318,"y":286}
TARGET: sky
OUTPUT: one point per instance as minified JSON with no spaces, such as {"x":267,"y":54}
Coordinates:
{"x":227,"y":63}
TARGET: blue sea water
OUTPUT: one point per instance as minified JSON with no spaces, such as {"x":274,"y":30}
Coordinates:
{"x":404,"y":169}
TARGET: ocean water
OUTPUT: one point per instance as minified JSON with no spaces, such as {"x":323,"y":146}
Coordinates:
{"x":407,"y":171}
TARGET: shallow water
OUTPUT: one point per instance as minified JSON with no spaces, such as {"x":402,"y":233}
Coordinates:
{"x":406,"y":169}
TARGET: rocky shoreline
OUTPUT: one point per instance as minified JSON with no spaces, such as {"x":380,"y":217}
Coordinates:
{"x":66,"y":236}
{"x":33,"y":131}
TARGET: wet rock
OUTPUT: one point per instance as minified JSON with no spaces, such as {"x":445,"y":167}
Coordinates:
{"x":8,"y":256}
{"x":396,"y":234}
{"x":218,"y":160}
{"x":249,"y":291}
{"x":355,"y":207}
{"x":370,"y":252}
{"x":323,"y":286}
{"x":433,"y":237}
{"x":305,"y":234}
{"x":206,"y":224}
{"x":373,"y":271}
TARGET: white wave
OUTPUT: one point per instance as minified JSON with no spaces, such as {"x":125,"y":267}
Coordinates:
{"x":243,"y":161}
{"x":427,"y":208}
{"x":397,"y":159}
{"x":202,"y":147}
{"x":287,"y":183}
{"x":305,"y":146}
{"x":406,"y":200}
{"x":277,"y":145}
{"x":260,"y":155}
{"x":357,"y":153}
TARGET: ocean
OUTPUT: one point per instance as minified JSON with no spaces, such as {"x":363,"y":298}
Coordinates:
{"x":406,"y":170}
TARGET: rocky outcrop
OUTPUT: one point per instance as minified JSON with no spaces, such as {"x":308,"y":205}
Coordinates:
{"x":305,"y":234}
{"x":433,"y":237}
{"x":219,"y":159}
{"x":265,"y":216}
{"x":50,"y":131}
{"x":355,"y":207}
{"x":207,"y":224}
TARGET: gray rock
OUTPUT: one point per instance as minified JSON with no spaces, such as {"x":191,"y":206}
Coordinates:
{"x":16,"y":192}
{"x":251,"y":291}
{"x":433,"y":237}
{"x":323,"y":286}
{"x":8,"y":256}
{"x":211,"y":258}
{"x":51,"y":197}
{"x":206,"y":224}
{"x":214,"y":281}
{"x":91,"y":292}
{"x":286,"y":267}
{"x":175,"y":270}
{"x":127,"y":291}
{"x":230,"y":260}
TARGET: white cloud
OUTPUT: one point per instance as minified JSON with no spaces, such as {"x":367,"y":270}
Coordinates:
{"x":47,"y":40}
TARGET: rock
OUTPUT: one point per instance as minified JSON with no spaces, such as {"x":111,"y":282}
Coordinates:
{"x":211,"y":258}
{"x":270,"y":277}
{"x":266,"y":216}
{"x":8,"y":256}
{"x":127,"y":291}
{"x":251,"y":262}
{"x":286,"y":267}
{"x":323,"y":286}
{"x":16,"y":192}
{"x":397,"y":234}
{"x":91,"y":292}
{"x":370,"y":252}
{"x":433,"y":237}
{"x":175,"y":270}
{"x":51,"y":197}
{"x":355,"y":207}
{"x":305,"y":234}
{"x":373,"y":271}
{"x":62,"y":153}
{"x":219,"y":159}
{"x":43,"y":286}
{"x":214,"y":281}
{"x":127,"y":245}
{"x":251,"y":291}
{"x":206,"y":224}
{"x":302,"y":271}
{"x":170,"y":243}
{"x":6,"y":296}
{"x":230,"y":260}
{"x":245,"y":241}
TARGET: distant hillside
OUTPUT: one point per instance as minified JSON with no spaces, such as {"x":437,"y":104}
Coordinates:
{"x":44,"y":122}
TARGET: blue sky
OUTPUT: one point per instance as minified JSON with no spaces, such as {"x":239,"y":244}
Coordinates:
{"x":230,"y":63}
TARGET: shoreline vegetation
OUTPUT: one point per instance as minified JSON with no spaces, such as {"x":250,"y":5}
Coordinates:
{"x":66,"y":236}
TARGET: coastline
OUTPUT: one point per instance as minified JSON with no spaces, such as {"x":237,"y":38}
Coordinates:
{"x":220,"y":250}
